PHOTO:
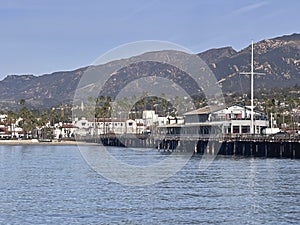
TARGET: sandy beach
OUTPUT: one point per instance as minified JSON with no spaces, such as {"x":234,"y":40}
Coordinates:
{"x":36,"y":142}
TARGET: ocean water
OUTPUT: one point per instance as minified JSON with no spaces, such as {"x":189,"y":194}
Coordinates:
{"x":54,"y":185}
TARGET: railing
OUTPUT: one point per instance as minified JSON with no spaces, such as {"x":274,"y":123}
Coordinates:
{"x":228,"y":119}
{"x":232,"y":137}
{"x":204,"y":137}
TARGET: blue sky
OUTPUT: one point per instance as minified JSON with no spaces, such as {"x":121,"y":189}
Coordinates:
{"x":43,"y":36}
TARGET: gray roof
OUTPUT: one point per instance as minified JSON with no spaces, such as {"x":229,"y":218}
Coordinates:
{"x":204,"y":110}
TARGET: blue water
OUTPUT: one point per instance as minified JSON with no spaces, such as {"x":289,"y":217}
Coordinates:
{"x":54,"y":185}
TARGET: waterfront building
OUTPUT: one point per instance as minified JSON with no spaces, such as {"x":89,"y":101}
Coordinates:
{"x":82,"y":127}
{"x":4,"y":133}
{"x":149,"y":117}
{"x":235,"y":119}
{"x":10,"y":129}
{"x":68,"y":130}
{"x":100,"y":126}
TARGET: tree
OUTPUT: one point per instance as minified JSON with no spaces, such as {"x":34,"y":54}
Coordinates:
{"x":54,"y":117}
{"x":29,"y":121}
{"x":41,"y":123}
{"x":10,"y":122}
{"x":103,"y":107}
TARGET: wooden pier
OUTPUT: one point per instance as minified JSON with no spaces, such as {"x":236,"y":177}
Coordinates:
{"x":248,"y":146}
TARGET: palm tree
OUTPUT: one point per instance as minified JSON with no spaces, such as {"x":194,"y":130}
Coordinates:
{"x":123,"y":106}
{"x":10,"y":121}
{"x":28,"y":122}
{"x":41,"y":123}
{"x":54,"y":117}
{"x":107,"y":107}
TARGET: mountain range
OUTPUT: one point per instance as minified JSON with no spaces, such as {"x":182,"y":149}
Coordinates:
{"x":278,"y":58}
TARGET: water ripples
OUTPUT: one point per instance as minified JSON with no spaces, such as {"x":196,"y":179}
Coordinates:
{"x":54,"y":185}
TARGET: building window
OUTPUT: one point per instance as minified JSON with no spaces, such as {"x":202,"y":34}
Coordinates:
{"x":236,"y":130}
{"x":245,"y":129}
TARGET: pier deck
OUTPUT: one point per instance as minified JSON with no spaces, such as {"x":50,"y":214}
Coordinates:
{"x":238,"y":145}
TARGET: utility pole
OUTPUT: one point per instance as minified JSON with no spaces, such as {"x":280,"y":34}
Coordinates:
{"x":252,"y":87}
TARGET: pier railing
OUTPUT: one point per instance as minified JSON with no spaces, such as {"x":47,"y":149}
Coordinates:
{"x":232,"y":137}
{"x":202,"y":137}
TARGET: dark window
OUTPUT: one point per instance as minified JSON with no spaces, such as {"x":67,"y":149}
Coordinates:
{"x":236,"y":129}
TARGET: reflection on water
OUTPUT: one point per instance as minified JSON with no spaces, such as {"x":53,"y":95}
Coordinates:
{"x":54,"y":185}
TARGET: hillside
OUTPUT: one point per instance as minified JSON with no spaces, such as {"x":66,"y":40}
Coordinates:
{"x":39,"y":91}
{"x":278,"y":58}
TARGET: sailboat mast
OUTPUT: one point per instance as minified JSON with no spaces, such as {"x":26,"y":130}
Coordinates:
{"x":252,"y":110}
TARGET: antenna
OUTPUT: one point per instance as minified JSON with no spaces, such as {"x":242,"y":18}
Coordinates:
{"x":252,"y":81}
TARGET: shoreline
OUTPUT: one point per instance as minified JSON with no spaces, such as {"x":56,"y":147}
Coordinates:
{"x":35,"y":142}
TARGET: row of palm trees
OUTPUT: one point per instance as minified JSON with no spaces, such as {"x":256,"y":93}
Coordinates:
{"x":29,"y":120}
{"x":105,"y":107}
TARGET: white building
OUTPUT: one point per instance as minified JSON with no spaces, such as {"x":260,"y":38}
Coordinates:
{"x":116,"y":126}
{"x":108,"y":126}
{"x":68,"y":130}
{"x":220,"y":120}
{"x":82,"y":127}
{"x":10,"y":130}
{"x":100,"y":126}
{"x":149,"y":117}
